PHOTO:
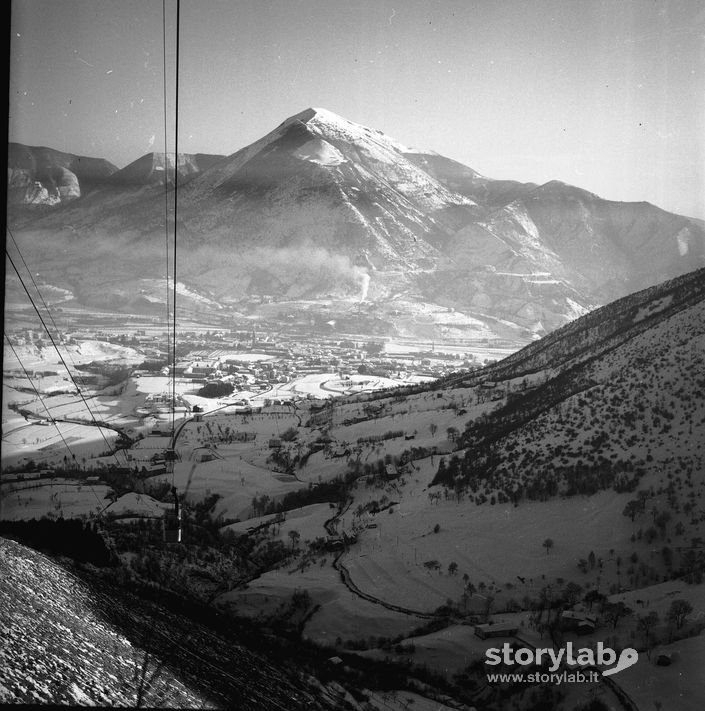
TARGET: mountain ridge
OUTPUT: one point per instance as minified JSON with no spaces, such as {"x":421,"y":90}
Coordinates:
{"x":585,"y":383}
{"x":412,"y":226}
{"x":38,"y":175}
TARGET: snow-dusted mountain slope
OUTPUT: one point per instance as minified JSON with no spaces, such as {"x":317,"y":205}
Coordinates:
{"x":614,"y":397}
{"x":613,"y":400}
{"x":156,"y":168}
{"x":320,"y":205}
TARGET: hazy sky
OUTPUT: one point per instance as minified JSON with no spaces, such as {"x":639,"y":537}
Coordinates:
{"x":607,"y":95}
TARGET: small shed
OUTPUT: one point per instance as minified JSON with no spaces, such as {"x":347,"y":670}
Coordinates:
{"x":577,"y":621}
{"x":496,"y":629}
{"x":203,"y":454}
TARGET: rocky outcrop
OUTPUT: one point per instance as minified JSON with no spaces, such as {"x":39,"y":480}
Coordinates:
{"x":44,"y":176}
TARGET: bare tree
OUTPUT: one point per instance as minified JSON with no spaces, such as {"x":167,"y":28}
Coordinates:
{"x":646,"y":624}
{"x":632,"y":508}
{"x":677,"y":613}
{"x":295,"y":537}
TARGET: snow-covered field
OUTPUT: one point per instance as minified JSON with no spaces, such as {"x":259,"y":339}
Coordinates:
{"x":137,"y":506}
{"x":34,"y":358}
{"x":341,"y":614}
{"x":308,"y":522}
{"x":55,"y":497}
{"x":491,"y":544}
{"x":48,"y":443}
{"x":25,"y":439}
{"x":679,"y":686}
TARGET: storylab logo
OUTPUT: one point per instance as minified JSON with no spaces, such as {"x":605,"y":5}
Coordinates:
{"x":556,"y":658}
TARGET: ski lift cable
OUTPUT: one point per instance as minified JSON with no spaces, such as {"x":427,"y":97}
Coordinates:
{"x":55,"y":423}
{"x":36,"y":286}
{"x":73,"y":363}
{"x":58,"y":352}
{"x":39,"y":396}
{"x":172,"y":524}
{"x":176,"y":203}
{"x":39,"y":294}
{"x":166,"y":181}
{"x":171,"y":315}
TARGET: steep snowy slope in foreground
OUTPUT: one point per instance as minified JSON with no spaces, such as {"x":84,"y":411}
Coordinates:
{"x":58,"y":649}
{"x":67,"y":642}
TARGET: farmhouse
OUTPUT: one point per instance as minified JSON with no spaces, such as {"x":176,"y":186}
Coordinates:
{"x":576,"y":621}
{"x":497,"y":629}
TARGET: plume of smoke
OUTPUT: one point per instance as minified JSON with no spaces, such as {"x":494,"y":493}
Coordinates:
{"x":219,"y":265}
{"x":364,"y":284}
{"x":303,"y":263}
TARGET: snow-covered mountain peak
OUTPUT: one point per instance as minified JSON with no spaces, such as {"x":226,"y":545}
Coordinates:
{"x":319,"y":115}
{"x":330,"y":125}
{"x":522,"y":254}
{"x":371,"y":155}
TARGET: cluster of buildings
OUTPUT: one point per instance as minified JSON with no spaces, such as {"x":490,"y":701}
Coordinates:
{"x":263,"y":367}
{"x":259,"y":359}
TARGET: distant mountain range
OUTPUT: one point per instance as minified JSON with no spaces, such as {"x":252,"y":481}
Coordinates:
{"x":339,"y":215}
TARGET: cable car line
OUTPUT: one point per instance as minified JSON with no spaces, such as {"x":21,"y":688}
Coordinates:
{"x":101,"y":505}
{"x":39,"y":294}
{"x":36,"y":286}
{"x":53,"y":419}
{"x":166,"y":181}
{"x":38,"y":394}
{"x":61,"y":357}
{"x":172,"y":519}
{"x":176,"y":201}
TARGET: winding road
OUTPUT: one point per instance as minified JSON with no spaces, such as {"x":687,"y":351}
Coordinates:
{"x":347,"y":580}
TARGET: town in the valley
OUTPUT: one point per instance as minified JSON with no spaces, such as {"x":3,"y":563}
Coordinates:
{"x":124,"y":377}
